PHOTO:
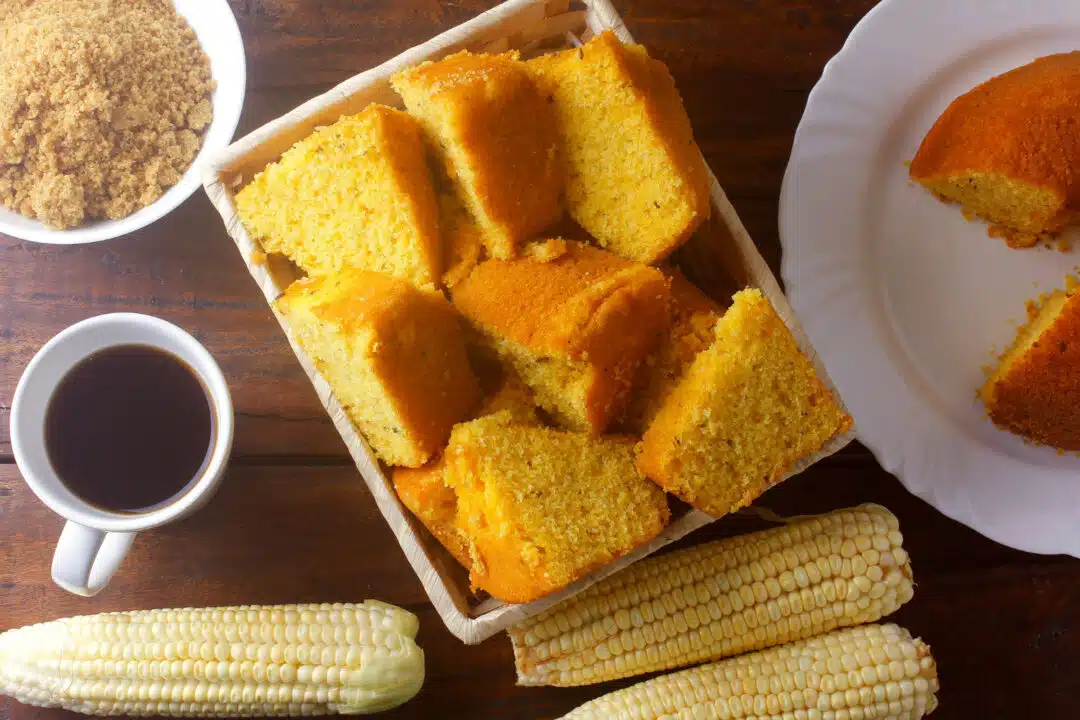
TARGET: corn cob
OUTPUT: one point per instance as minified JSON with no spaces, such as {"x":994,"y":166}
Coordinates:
{"x":218,"y":662}
{"x":870,"y":671}
{"x":721,"y":599}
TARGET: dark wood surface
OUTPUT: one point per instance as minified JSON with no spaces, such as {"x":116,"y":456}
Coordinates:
{"x":294,"y":523}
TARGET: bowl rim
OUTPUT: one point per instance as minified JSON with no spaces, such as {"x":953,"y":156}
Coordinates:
{"x":227,"y":113}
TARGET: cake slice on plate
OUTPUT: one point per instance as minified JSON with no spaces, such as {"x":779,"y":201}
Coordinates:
{"x":1008,"y":149}
{"x":1035,"y":389}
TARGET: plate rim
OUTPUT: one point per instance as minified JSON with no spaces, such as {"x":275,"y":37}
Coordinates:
{"x":877,"y":20}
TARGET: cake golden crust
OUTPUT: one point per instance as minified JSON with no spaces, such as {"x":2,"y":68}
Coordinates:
{"x":424,"y":492}
{"x":693,"y":319}
{"x":1008,"y":150}
{"x":635,"y":177}
{"x":1035,"y":393}
{"x":542,"y":507}
{"x":748,"y":408}
{"x":357,"y":193}
{"x":497,"y":137}
{"x":576,"y":327}
{"x":393,"y":354}
{"x":463,"y":241}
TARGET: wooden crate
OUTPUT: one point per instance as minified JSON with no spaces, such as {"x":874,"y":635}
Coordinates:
{"x":720,"y":258}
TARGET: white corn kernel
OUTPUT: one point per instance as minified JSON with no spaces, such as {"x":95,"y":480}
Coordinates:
{"x":730,"y":596}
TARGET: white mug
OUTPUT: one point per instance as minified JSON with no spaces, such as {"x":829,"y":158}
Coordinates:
{"x":95,"y":540}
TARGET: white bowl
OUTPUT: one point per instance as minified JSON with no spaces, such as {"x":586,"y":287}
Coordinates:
{"x":215,"y":26}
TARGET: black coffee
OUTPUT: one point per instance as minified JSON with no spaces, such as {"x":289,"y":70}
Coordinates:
{"x":129,"y":428}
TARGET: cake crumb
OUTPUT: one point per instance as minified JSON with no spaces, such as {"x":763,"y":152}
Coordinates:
{"x":102,"y":103}
{"x":546,"y":250}
{"x":1015,"y":239}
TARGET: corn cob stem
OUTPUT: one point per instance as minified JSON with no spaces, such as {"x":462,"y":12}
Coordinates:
{"x":721,"y":599}
{"x":218,"y":662}
{"x":871,"y":671}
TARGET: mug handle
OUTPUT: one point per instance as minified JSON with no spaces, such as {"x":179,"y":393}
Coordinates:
{"x":86,"y":559}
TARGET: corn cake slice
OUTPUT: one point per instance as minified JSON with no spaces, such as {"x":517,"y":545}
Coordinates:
{"x":424,"y":490}
{"x":496,"y":135}
{"x":576,"y":325}
{"x":543,"y":507}
{"x":393,"y":354}
{"x":693,"y":319}
{"x":1035,"y":390}
{"x":463,"y":241}
{"x":747,"y":409}
{"x":1007,"y":150}
{"x":512,"y":397}
{"x":356,"y":193}
{"x":635,"y":179}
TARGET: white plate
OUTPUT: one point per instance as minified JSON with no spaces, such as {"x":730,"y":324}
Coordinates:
{"x":215,"y":26}
{"x":904,"y":299}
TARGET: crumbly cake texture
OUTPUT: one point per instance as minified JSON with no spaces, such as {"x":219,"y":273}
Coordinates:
{"x":357,"y":193}
{"x":393,"y":354}
{"x":462,"y":240}
{"x":542,"y":507}
{"x":496,"y":135}
{"x":1007,"y":150}
{"x":424,"y":490}
{"x":635,"y":179}
{"x":102,"y":106}
{"x":748,"y":408}
{"x":575,"y":324}
{"x":693,"y":321}
{"x":1035,"y":389}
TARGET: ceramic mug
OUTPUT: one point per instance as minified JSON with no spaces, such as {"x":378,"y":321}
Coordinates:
{"x":95,"y":540}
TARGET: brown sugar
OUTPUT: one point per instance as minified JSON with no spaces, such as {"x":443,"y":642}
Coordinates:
{"x":102,"y":104}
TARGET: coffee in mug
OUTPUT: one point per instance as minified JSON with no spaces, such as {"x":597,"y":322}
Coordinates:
{"x":120,"y":423}
{"x":129,"y":428}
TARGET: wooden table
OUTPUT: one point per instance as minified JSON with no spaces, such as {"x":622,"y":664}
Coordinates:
{"x":294,"y":523}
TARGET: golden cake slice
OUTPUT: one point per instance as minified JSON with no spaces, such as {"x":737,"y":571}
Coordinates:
{"x":357,"y":193}
{"x":1008,"y":149}
{"x":635,"y":178}
{"x":542,"y":507}
{"x":424,"y":490}
{"x":496,"y":134}
{"x":748,"y":408}
{"x":573,"y":321}
{"x":693,"y":321}
{"x":1035,"y":389}
{"x":463,"y":241}
{"x":393,"y":354}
